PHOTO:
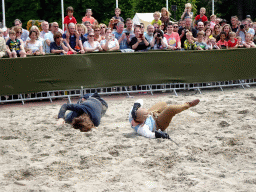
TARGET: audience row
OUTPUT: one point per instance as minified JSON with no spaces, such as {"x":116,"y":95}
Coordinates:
{"x":187,"y":34}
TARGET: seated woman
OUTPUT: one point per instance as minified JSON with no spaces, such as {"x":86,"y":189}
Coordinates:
{"x":103,"y":28}
{"x":97,"y":36}
{"x":139,"y":42}
{"x":216,"y":31}
{"x":110,"y":43}
{"x":85,"y":115}
{"x":158,"y":41}
{"x":91,"y":45}
{"x":148,"y":122}
{"x":58,"y":46}
{"x":33,"y":46}
{"x":207,"y":35}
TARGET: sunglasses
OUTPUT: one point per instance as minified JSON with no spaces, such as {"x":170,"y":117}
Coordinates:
{"x":91,"y":35}
{"x":103,"y":27}
{"x":96,"y":30}
{"x":19,"y":32}
{"x":58,"y":37}
{"x":175,"y":26}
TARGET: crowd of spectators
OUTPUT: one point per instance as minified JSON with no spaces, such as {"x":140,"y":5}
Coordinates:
{"x":189,"y":33}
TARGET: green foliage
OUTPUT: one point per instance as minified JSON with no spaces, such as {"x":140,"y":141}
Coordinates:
{"x":103,"y":11}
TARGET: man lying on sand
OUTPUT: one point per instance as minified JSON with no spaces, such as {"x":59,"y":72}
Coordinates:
{"x":152,"y":122}
{"x":84,"y":115}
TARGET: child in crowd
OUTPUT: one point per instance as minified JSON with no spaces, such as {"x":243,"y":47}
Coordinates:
{"x":222,"y":43}
{"x":248,"y":43}
{"x":189,"y":44}
{"x":165,"y":18}
{"x":213,"y":21}
{"x":88,"y":17}
{"x":187,"y":12}
{"x":157,"y":20}
{"x":69,"y":18}
{"x":239,"y":42}
{"x":14,"y":47}
{"x":116,"y":19}
{"x":201,"y":45}
{"x":212,"y":44}
{"x":201,"y":16}
{"x":34,"y":46}
{"x":232,"y":42}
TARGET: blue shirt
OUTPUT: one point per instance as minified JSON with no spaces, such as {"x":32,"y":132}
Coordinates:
{"x":123,"y":44}
{"x":72,"y":40}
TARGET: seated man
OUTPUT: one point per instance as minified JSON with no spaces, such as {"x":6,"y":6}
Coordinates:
{"x":122,"y":37}
{"x":25,"y":32}
{"x":172,"y":38}
{"x":72,"y":39}
{"x":49,"y":36}
{"x":149,"y":35}
{"x":84,"y":115}
{"x":2,"y":45}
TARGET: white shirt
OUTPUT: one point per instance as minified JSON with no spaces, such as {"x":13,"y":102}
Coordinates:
{"x":242,"y":34}
{"x":88,"y":45}
{"x":34,"y":47}
{"x":50,"y":37}
{"x":111,"y":43}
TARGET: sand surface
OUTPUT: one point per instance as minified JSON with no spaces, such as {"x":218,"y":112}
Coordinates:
{"x":216,"y":150}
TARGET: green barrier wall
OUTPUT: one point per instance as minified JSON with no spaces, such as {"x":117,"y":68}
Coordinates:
{"x":55,"y":72}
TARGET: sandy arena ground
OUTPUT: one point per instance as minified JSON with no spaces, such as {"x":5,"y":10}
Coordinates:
{"x":216,"y":150}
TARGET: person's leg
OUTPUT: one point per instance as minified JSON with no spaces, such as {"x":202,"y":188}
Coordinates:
{"x":170,"y":111}
{"x":158,"y":107}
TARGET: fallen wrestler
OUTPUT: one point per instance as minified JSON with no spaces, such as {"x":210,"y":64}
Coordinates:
{"x":84,"y":115}
{"x":152,"y":122}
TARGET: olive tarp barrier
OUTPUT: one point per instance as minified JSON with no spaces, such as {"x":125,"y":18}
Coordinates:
{"x":56,"y":72}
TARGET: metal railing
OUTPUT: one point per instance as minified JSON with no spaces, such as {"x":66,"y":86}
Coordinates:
{"x":172,"y":87}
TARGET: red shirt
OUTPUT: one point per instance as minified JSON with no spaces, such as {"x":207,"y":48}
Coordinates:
{"x":91,"y":19}
{"x":230,"y":44}
{"x":67,"y":20}
{"x":172,"y":39}
{"x":220,"y":43}
{"x":204,"y":18}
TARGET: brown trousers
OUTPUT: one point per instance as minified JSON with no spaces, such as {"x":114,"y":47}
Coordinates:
{"x":164,"y":113}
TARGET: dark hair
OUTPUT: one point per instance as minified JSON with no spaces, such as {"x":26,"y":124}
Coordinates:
{"x":83,"y":122}
{"x":160,"y":32}
{"x":128,"y":19}
{"x":16,"y":21}
{"x":170,"y":23}
{"x":70,"y":9}
{"x":222,"y":32}
{"x":30,"y":32}
{"x":57,"y":35}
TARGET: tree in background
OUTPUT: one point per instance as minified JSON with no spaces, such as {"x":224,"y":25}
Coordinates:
{"x":103,"y":11}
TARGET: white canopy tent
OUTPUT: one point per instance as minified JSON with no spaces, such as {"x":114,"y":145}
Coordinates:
{"x":145,"y":18}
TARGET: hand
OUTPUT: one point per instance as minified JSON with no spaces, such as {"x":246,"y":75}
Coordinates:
{"x":139,"y":40}
{"x":60,"y":122}
{"x":179,"y":48}
{"x":76,"y":34}
{"x":123,"y":36}
{"x":82,"y":51}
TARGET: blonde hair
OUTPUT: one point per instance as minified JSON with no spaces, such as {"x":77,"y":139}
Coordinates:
{"x":165,"y":10}
{"x":232,"y":34}
{"x":188,"y":5}
{"x":157,"y":13}
{"x":202,"y":8}
{"x":83,"y":27}
{"x":226,"y":26}
{"x":189,"y":33}
{"x":212,"y":16}
{"x":200,"y":33}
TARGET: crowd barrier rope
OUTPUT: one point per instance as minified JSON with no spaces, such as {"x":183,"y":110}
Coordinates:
{"x":56,"y":76}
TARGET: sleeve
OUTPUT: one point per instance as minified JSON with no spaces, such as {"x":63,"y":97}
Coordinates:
{"x":194,"y":45}
{"x":185,"y":44}
{"x":52,"y":46}
{"x":196,"y":18}
{"x":133,"y":41}
{"x":144,"y":131}
{"x":165,"y":42}
{"x":71,"y":107}
{"x":75,"y":20}
{"x":177,"y":38}
{"x":140,"y":101}
{"x":64,"y":36}
{"x":46,"y":36}
{"x":152,"y":22}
